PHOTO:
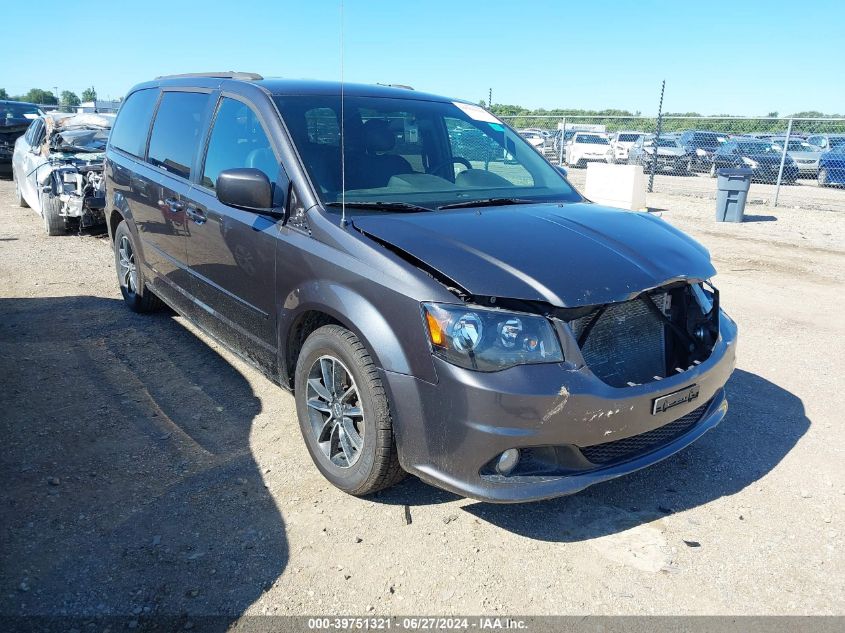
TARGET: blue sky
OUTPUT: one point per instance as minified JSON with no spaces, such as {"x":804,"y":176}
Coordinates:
{"x":746,"y":57}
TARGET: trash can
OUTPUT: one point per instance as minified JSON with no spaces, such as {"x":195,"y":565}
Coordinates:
{"x":731,"y":191}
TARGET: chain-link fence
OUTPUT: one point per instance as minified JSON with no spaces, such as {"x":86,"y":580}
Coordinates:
{"x":794,"y":161}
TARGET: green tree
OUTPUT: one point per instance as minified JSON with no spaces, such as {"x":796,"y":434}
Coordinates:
{"x":37,"y":95}
{"x":89,"y":94}
{"x":69,"y":99}
{"x":3,"y":94}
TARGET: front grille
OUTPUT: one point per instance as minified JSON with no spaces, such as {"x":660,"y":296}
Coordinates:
{"x":630,"y":447}
{"x":627,"y":343}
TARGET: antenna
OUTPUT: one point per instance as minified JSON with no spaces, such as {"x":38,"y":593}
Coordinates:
{"x":342,"y":134}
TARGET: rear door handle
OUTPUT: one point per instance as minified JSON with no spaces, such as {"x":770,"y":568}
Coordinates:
{"x":196,"y":215}
{"x":174,"y":205}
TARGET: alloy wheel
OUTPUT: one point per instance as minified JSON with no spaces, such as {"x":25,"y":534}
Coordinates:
{"x":127,"y":270}
{"x":335,"y":412}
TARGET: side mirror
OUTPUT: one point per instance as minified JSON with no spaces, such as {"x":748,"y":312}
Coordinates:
{"x":562,"y":170}
{"x":245,"y":188}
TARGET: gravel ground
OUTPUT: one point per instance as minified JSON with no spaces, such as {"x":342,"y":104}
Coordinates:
{"x":149,"y":471}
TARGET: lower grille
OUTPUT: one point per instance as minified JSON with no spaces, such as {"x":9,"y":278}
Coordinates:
{"x":630,"y":447}
{"x":627,"y":343}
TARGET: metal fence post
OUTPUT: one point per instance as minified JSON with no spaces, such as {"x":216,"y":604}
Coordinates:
{"x":657,"y":138}
{"x":783,"y":160}
{"x":561,"y":142}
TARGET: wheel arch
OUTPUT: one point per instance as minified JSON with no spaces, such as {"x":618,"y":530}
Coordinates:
{"x":323,"y":303}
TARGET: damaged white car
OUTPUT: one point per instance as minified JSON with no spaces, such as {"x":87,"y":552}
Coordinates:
{"x":58,"y":169}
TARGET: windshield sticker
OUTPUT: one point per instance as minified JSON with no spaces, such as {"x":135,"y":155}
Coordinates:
{"x":476,"y":112}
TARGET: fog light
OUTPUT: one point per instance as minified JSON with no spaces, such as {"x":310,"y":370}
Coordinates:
{"x":507,"y":461}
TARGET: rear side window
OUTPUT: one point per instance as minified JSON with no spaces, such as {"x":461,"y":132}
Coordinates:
{"x":238,"y":140}
{"x":133,"y":122}
{"x":176,"y":131}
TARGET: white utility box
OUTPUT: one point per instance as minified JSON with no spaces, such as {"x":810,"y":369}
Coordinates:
{"x":620,"y":186}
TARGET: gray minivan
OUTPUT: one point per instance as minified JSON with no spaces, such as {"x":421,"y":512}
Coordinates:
{"x":474,"y":322}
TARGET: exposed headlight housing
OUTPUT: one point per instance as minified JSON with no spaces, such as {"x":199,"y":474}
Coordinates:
{"x":489,"y":340}
{"x":700,"y":152}
{"x":750,"y":162}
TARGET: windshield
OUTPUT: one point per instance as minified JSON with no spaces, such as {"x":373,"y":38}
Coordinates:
{"x":756,"y":148}
{"x":705,"y":139}
{"x":628,"y":138}
{"x":836,"y":141}
{"x":593,"y":139}
{"x":18,"y":111}
{"x":424,"y":153}
{"x":667,"y":142}
{"x":796,"y":146}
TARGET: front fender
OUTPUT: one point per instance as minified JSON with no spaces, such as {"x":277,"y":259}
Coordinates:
{"x":404,"y":351}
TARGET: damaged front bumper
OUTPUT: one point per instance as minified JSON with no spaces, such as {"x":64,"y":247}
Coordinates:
{"x":571,"y":428}
{"x":79,"y":186}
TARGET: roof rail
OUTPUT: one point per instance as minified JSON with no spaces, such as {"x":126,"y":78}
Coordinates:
{"x":230,"y":74}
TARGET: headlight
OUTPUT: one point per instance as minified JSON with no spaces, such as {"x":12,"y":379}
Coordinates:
{"x":700,"y":152}
{"x":751,"y":163}
{"x":489,"y":340}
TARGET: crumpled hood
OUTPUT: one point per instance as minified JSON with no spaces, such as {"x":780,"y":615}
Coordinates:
{"x":567,"y":255}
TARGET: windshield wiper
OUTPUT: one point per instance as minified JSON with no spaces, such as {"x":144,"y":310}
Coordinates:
{"x":405,"y":207}
{"x":485,"y":202}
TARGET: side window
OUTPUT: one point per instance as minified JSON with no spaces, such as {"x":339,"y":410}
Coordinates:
{"x":176,"y":131}
{"x":29,"y":137}
{"x":237,"y":140}
{"x":133,"y":122}
{"x":38,"y":132}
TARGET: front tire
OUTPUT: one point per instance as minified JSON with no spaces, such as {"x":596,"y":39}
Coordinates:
{"x":54,"y":224}
{"x":18,"y":194}
{"x":823,"y":177}
{"x":344,"y":414}
{"x":130,"y":277}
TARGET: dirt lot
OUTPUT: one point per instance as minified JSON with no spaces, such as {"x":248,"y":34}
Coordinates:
{"x":148,"y":471}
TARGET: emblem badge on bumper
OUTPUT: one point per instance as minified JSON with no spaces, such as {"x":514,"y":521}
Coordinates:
{"x":664,"y":403}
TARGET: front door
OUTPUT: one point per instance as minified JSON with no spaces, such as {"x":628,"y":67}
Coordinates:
{"x":231,"y":252}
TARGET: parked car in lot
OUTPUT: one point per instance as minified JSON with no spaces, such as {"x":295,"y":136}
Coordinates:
{"x":58,"y":169}
{"x":700,"y":146}
{"x":562,"y":136}
{"x":621,"y":142}
{"x":826,"y":142}
{"x":536,"y":139}
{"x":832,"y":167}
{"x":760,"y":156}
{"x":15,"y":117}
{"x":486,"y":329}
{"x":806,"y":156}
{"x":671,"y":155}
{"x":585,"y":147}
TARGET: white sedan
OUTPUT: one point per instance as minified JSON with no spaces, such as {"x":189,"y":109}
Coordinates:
{"x":57,"y":166}
{"x":585,"y":147}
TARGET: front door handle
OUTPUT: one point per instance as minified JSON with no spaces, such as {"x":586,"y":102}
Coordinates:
{"x":174,"y":205}
{"x":196,"y":215}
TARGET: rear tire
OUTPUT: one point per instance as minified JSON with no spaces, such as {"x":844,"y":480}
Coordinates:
{"x":54,"y":224}
{"x":18,"y":195}
{"x":130,"y":276}
{"x":344,"y":414}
